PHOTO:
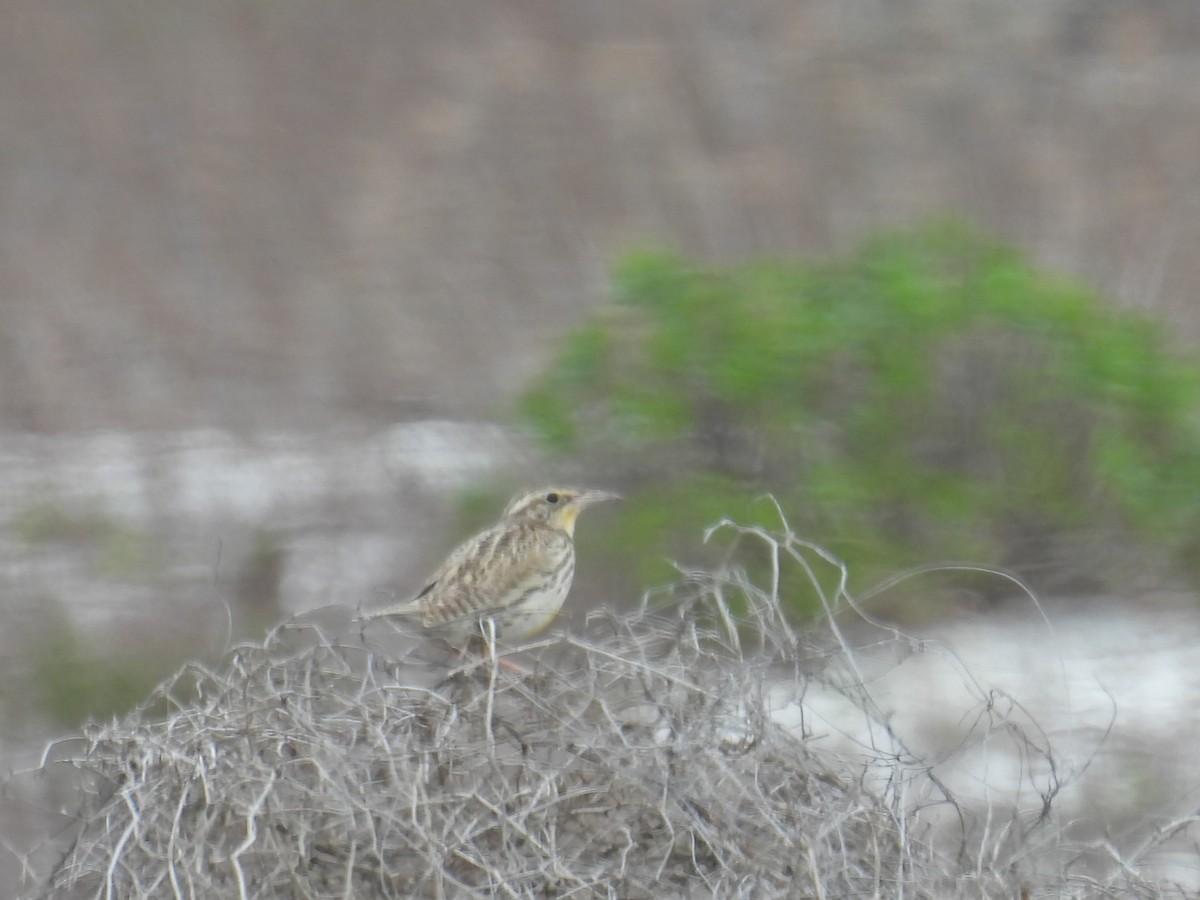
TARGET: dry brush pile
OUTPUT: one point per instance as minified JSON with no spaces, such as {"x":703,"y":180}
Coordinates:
{"x":643,"y":757}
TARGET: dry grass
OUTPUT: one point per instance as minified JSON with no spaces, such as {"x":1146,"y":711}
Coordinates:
{"x":645,"y":756}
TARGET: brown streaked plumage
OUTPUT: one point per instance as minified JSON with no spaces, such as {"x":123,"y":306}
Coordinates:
{"x":517,"y":573}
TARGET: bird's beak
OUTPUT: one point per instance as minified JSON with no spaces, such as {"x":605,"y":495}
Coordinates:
{"x":571,"y":511}
{"x":587,"y":498}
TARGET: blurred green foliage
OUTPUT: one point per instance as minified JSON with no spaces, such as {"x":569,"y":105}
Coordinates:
{"x":46,"y":522}
{"x":72,"y":683}
{"x":115,"y":550}
{"x":931,"y":396}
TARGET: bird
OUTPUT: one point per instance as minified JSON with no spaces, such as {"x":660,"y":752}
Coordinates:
{"x":508,"y":581}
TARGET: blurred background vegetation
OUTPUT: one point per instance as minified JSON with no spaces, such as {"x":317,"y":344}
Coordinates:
{"x":929,"y":397}
{"x":245,"y":244}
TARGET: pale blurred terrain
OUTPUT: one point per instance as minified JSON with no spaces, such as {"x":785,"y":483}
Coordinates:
{"x":255,"y":215}
{"x":250,"y":251}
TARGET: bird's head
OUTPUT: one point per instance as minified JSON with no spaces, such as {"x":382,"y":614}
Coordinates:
{"x":557,"y":507}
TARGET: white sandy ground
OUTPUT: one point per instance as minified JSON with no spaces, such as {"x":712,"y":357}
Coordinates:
{"x":1112,"y":686}
{"x":341,"y":503}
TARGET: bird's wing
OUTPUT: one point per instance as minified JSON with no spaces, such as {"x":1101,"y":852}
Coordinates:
{"x":415,"y":606}
{"x":489,"y":573}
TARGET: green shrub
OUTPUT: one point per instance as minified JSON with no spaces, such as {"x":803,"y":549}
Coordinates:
{"x":72,"y":683}
{"x":931,"y":396}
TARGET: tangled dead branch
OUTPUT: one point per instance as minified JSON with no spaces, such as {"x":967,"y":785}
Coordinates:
{"x":650,"y":755}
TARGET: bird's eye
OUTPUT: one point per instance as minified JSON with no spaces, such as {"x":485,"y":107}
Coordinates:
{"x":552,"y":497}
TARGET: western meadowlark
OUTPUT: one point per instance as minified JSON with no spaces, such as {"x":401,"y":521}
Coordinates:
{"x":516,"y":573}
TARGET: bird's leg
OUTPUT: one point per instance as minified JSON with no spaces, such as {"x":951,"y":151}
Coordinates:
{"x":485,"y":646}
